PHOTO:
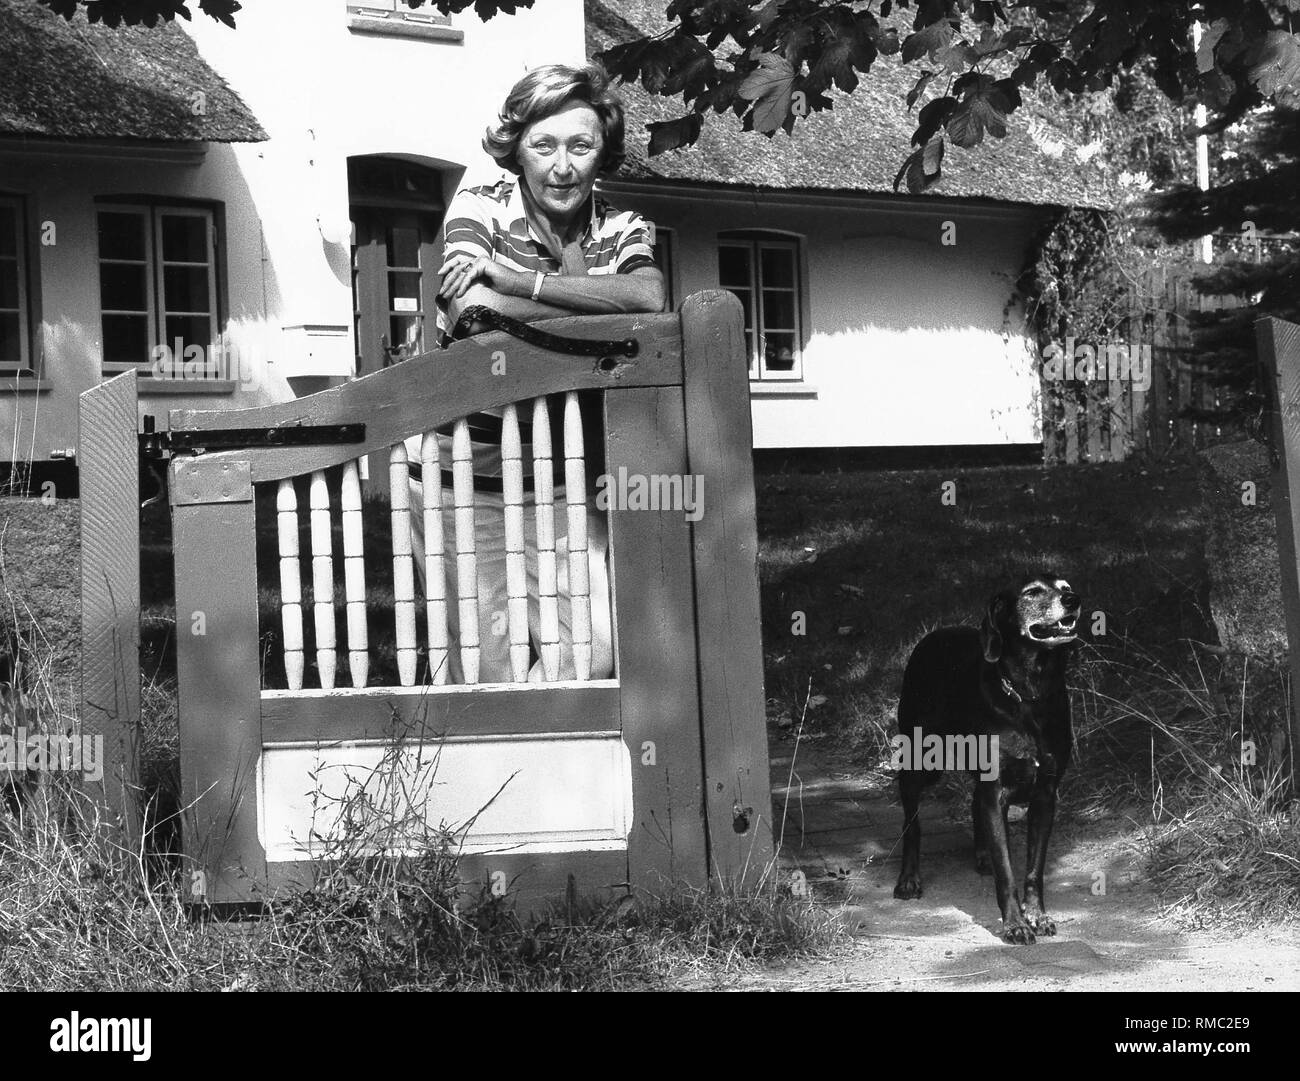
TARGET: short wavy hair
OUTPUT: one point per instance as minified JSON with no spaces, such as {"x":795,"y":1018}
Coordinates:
{"x":545,"y":91}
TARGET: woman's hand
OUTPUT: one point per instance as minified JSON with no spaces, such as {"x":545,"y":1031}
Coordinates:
{"x":460,"y":272}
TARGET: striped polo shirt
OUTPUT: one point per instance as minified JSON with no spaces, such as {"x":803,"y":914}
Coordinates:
{"x":492,"y":220}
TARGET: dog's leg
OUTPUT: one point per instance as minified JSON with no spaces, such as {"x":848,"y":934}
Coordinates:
{"x":1014,"y":928}
{"x":982,"y":863}
{"x":1042,"y":812}
{"x":910,"y":783}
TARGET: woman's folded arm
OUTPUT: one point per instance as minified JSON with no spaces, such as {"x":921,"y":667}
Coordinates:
{"x":640,"y":290}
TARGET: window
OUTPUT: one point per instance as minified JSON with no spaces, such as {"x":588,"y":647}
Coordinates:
{"x":663,"y":249}
{"x":158,"y":290}
{"x":15,"y":340}
{"x":763,"y":272}
{"x":396,"y":17}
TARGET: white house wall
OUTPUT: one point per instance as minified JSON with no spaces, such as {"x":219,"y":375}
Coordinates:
{"x":60,"y":188}
{"x":323,"y":93}
{"x":905,"y":336}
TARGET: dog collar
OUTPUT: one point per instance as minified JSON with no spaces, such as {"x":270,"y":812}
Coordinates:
{"x":1006,"y":686}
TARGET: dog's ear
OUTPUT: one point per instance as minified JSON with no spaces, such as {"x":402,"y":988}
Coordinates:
{"x":991,"y":629}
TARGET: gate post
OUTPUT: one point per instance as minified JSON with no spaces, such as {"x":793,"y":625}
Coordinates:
{"x":719,"y":443}
{"x":1278,"y":345}
{"x":218,"y":676}
{"x":108,"y":468}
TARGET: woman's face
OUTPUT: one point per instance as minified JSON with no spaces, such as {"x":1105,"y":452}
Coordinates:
{"x":560,"y":156}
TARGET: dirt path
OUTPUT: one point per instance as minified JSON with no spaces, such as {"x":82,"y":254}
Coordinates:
{"x":841,"y":827}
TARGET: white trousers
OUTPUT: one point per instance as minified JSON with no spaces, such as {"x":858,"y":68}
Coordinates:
{"x":490,"y":549}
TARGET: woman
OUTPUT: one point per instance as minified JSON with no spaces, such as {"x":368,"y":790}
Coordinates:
{"x":542,"y":246}
{"x":537,"y":247}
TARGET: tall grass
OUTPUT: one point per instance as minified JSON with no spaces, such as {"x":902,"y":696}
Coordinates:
{"x":82,"y":909}
{"x":1202,"y":746}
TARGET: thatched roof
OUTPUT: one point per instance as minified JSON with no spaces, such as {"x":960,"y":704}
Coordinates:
{"x":72,"y":80}
{"x":857,"y":146}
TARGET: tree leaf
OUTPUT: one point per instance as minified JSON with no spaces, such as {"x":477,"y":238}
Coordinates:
{"x":1209,"y":39}
{"x":914,"y":168}
{"x":672,"y":134}
{"x":958,"y":56}
{"x":931,"y":119}
{"x":984,"y":108}
{"x":1011,"y":92}
{"x":692,"y":70}
{"x":1278,"y":65}
{"x":769,"y":87}
{"x":1216,"y":88}
{"x":938,"y":35}
{"x":833,"y":66}
{"x":919,"y":88}
{"x":932,"y":158}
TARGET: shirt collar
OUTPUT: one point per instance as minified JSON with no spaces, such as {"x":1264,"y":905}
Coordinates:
{"x":519,"y":209}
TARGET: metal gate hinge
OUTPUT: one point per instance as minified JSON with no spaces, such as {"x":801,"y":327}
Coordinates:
{"x":195,"y":441}
{"x":197,"y":480}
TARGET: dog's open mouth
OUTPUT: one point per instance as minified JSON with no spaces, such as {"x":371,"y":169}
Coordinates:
{"x":1060,"y":631}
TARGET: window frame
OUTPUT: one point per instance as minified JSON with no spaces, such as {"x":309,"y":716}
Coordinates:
{"x":26,"y":364}
{"x":153,"y":211}
{"x":395,"y":18}
{"x":668,"y":267}
{"x":213,"y":312}
{"x":754,"y":243}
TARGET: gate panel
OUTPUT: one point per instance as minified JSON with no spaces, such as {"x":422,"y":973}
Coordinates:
{"x":544,"y":794}
{"x":603,"y":779}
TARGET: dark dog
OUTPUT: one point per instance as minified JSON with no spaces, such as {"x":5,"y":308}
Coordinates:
{"x":1006,"y":679}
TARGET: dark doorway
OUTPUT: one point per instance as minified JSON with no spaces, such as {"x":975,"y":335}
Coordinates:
{"x":397,"y":210}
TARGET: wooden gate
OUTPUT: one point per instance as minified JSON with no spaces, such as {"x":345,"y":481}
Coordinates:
{"x":654,"y":771}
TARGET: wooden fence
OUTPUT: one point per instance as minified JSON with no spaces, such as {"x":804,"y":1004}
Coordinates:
{"x":1101,"y":419}
{"x":1278,"y":344}
{"x":555,"y":772}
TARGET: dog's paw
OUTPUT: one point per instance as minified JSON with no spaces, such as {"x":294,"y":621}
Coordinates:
{"x":983,"y":865}
{"x":1017,"y":932}
{"x":908,"y":887}
{"x":1042,"y":923}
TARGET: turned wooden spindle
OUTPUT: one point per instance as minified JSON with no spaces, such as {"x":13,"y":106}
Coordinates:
{"x":435,"y":572}
{"x":575,"y":496}
{"x":399,"y":489}
{"x":286,"y":506}
{"x":512,"y":488}
{"x":322,"y":579}
{"x":544,"y":509}
{"x":462,"y":474}
{"x":354,"y":575}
